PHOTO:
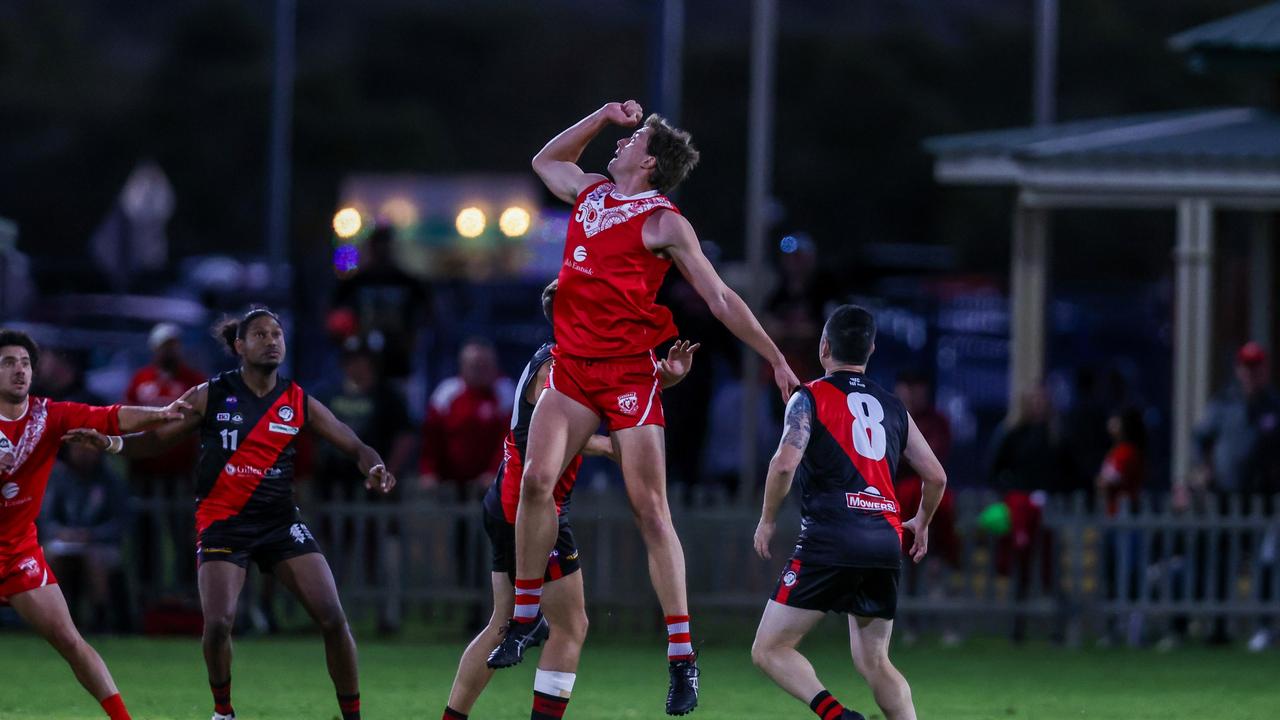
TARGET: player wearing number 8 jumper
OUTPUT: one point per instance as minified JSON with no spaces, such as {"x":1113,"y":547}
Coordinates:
{"x":843,"y":438}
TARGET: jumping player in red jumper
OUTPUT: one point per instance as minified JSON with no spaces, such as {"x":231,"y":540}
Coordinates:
{"x":31,"y":431}
{"x":843,"y":438}
{"x":248,"y":420}
{"x":624,"y":236}
{"x":563,"y":602}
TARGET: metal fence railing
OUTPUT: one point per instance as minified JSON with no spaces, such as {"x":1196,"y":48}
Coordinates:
{"x":1066,"y":568}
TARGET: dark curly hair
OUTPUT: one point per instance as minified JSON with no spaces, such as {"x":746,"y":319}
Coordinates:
{"x":21,"y":339}
{"x":229,"y":329}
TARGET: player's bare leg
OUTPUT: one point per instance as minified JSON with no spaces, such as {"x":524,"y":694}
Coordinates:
{"x":45,"y":610}
{"x":473,"y":674}
{"x":220,"y":585}
{"x":559,"y":429}
{"x":642,"y":455}
{"x":565,"y":606}
{"x":644,"y":471}
{"x":310,"y":580}
{"x":774,"y":652}
{"x":869,"y":642}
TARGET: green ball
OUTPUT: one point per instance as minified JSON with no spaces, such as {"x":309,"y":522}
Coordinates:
{"x":995,"y":519}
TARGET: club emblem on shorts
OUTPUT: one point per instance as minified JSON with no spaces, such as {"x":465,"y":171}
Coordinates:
{"x":789,"y":578}
{"x":629,"y":403}
{"x":300,"y":533}
{"x":870,"y":499}
{"x":9,"y":491}
{"x":286,"y":413}
{"x":29,"y":566}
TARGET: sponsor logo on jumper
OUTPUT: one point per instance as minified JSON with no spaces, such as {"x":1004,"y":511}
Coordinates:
{"x":580,"y":268}
{"x":232,"y":400}
{"x":237,"y":418}
{"x":870,"y":499}
{"x":223,"y":417}
{"x":243,"y":470}
{"x":286,"y":429}
{"x":300,"y":533}
{"x":286,"y":413}
{"x":789,"y":578}
{"x":9,"y":490}
{"x":580,"y":254}
{"x":629,"y":403}
{"x":856,"y":382}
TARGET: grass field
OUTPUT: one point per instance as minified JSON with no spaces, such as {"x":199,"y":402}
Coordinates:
{"x":285,"y":678}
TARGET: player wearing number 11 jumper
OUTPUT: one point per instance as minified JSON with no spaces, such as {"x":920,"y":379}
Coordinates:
{"x":843,"y":438}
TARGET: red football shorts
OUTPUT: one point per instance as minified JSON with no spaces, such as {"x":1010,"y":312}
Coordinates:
{"x":625,"y":391}
{"x":25,"y":570}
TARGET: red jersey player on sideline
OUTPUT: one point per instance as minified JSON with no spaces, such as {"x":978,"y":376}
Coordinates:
{"x":31,"y":430}
{"x":624,"y":236}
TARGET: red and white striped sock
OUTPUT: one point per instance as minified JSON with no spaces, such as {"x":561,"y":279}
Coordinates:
{"x":679,"y":641}
{"x":528,"y":600}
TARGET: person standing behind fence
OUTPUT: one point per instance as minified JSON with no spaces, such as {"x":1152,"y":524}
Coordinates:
{"x":466,"y":423}
{"x":1027,"y":462}
{"x":82,"y":524}
{"x":373,"y":409}
{"x":165,"y":379}
{"x":1119,"y":483}
{"x":1237,"y":440}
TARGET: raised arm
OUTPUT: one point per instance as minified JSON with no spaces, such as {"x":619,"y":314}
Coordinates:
{"x":322,"y":422}
{"x":782,"y":468}
{"x":669,"y":232}
{"x":190,"y":409}
{"x":557,"y":162}
{"x":921,"y":457}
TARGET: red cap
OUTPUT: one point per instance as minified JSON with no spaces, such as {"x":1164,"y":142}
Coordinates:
{"x":1251,"y":353}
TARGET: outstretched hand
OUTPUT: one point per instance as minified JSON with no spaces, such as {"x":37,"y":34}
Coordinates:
{"x":680,"y":358}
{"x":379,"y":478}
{"x":86,"y":436}
{"x":626,"y":114}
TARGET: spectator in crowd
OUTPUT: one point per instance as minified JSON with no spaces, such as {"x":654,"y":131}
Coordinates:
{"x":1026,"y":463}
{"x":467,"y":419}
{"x":1119,"y":482}
{"x":1086,"y":439}
{"x":1239,"y":445}
{"x":1237,"y":437}
{"x":383,"y":303}
{"x":82,"y":525}
{"x":61,"y":377}
{"x":916,"y":393}
{"x":374,"y":410}
{"x":167,"y":475}
{"x":795,"y":312}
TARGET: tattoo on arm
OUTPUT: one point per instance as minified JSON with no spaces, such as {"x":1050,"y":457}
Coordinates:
{"x":799,"y":421}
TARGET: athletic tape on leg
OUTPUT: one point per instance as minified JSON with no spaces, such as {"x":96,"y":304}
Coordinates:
{"x":551,"y":682}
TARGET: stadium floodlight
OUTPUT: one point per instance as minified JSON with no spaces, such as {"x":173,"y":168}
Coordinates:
{"x":514,"y":221}
{"x":470,"y":222}
{"x":347,"y":222}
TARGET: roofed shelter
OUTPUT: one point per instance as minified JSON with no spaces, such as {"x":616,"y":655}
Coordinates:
{"x":1191,"y":162}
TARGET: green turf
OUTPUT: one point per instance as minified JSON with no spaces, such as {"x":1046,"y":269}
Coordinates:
{"x":285,"y":678}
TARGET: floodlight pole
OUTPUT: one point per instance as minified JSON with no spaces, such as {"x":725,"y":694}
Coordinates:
{"x":278,"y":169}
{"x":764,"y":37}
{"x":671,"y":59}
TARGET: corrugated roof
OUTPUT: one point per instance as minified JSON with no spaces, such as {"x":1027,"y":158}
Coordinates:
{"x":1256,"y":30}
{"x":1231,"y":135}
